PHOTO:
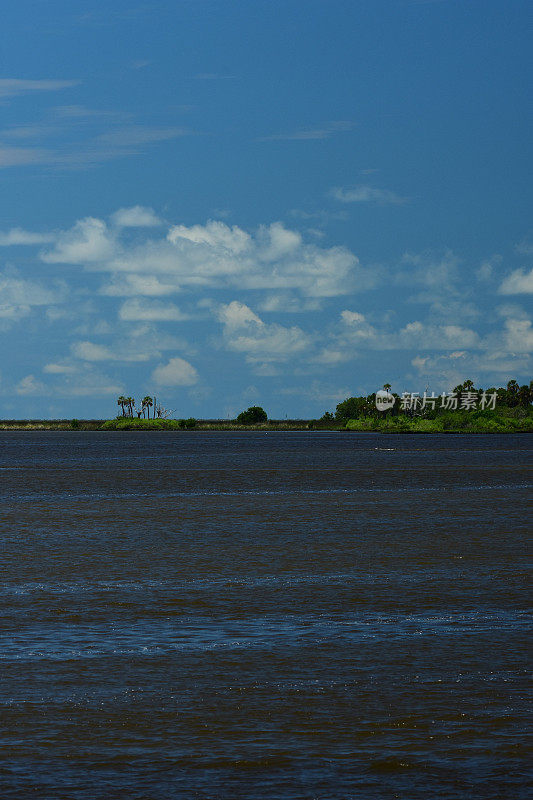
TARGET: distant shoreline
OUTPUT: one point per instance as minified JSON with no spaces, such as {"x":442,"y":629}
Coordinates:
{"x":419,"y":426}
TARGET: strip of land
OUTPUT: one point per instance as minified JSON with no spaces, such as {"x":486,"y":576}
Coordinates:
{"x":508,"y":421}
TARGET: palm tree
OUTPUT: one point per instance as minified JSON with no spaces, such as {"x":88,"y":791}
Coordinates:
{"x":122,"y":401}
{"x":512,"y":393}
{"x":146,"y":403}
{"x":386,"y":386}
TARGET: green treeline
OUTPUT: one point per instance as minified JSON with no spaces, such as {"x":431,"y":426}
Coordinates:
{"x":466,"y":410}
{"x":136,"y":424}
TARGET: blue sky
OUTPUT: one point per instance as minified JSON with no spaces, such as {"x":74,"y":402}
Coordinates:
{"x":229,"y":203}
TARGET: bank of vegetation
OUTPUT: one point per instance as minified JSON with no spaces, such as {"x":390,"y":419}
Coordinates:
{"x":510,"y":410}
{"x":495,"y":410}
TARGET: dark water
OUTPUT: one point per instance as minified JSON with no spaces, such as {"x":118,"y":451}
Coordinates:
{"x":275,"y":616}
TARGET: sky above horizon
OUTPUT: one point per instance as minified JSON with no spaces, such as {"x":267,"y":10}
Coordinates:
{"x":277,"y":203}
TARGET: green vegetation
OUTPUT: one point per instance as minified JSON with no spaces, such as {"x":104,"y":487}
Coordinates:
{"x":452,"y":422}
{"x":465,"y":410}
{"x":252,"y":416}
{"x":495,"y":410}
{"x":51,"y":424}
{"x":132,"y":424}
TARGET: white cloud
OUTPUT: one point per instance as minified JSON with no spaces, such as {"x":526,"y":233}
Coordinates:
{"x":278,"y":241}
{"x":177,"y":372}
{"x":306,"y":134}
{"x":22,"y":156}
{"x":136,"y":217}
{"x":487,"y":368}
{"x":237,"y":315}
{"x":288,"y":303}
{"x":139,"y":310}
{"x":88,"y":241}
{"x":89,"y":351}
{"x":83,"y":381}
{"x":330,"y":356}
{"x":352,"y":317}
{"x":212,"y":255}
{"x":270,"y":343}
{"x":18,"y":296}
{"x":519,"y":335}
{"x":18,"y":236}
{"x":30,"y":385}
{"x":366,"y":194}
{"x":246,"y":333}
{"x":437,"y":273}
{"x":125,"y":285}
{"x":357,"y":331}
{"x":11,"y":87}
{"x":486,"y":271}
{"x":518,"y":282}
{"x":59,"y":369}
{"x":525,"y":247}
{"x":214,"y":234}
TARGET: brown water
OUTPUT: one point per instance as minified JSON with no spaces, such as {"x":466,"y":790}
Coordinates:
{"x":281,"y":616}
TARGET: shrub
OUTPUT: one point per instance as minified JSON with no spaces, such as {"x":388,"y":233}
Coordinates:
{"x":252,"y":415}
{"x":75,"y":424}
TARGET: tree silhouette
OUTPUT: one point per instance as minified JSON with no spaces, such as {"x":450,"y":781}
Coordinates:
{"x":146,"y":403}
{"x":252,"y":415}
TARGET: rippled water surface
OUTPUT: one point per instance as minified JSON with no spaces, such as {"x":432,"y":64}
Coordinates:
{"x":263,"y":615}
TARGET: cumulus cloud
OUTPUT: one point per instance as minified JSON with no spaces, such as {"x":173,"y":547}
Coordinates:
{"x":485,"y":272}
{"x":356,"y":330}
{"x":288,"y":303}
{"x":88,"y":241}
{"x":18,"y":296}
{"x":214,"y":255}
{"x":352,"y":317}
{"x":127,"y":285}
{"x":176,"y":372}
{"x":237,"y":315}
{"x":139,"y":310}
{"x":436,"y":273}
{"x":59,"y":368}
{"x":518,"y":282}
{"x":246,"y":333}
{"x":136,"y":217}
{"x":331,"y":356}
{"x":519,"y":335}
{"x":214,"y":234}
{"x":89,"y":351}
{"x":18,"y":236}
{"x":449,"y":369}
{"x":30,"y":385}
{"x":270,"y":343}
